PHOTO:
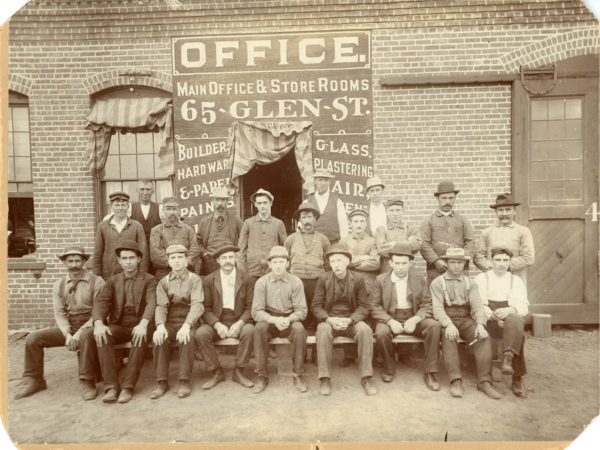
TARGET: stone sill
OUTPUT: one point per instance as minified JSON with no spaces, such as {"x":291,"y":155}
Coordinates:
{"x":26,"y":264}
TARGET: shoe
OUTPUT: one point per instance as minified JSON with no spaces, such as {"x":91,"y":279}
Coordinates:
{"x":386,"y":377}
{"x":518,"y":387}
{"x":300,"y":383}
{"x":218,"y":376}
{"x":261,"y":384}
{"x":487,"y":388}
{"x":125,"y":395}
{"x":367,"y":384}
{"x":184,"y":389}
{"x":456,"y":388}
{"x":110,"y":396}
{"x":325,"y":388}
{"x":431,"y":381}
{"x":29,"y":387}
{"x":159,"y":390}
{"x":88,"y":389}
{"x":346,"y":362}
{"x":507,"y":368}
{"x":239,"y":377}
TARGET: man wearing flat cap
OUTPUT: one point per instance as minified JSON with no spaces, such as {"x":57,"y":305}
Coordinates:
{"x":307,"y":249}
{"x":505,"y":298}
{"x":278,"y":308}
{"x":72,"y":300}
{"x":444,"y":229}
{"x":509,"y":235}
{"x":402,"y":305}
{"x":376,"y":210}
{"x":117,"y":227}
{"x":259,"y":234}
{"x":332,"y":221}
{"x":217,"y":229}
{"x":395,"y":231}
{"x":172,"y":231}
{"x":179,"y":305}
{"x":123,"y":312}
{"x":341,"y":306}
{"x":228,"y":294}
{"x":458,"y":308}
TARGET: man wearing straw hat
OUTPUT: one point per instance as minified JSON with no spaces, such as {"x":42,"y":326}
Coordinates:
{"x":72,"y":299}
{"x":332,"y":222}
{"x":376,"y":210}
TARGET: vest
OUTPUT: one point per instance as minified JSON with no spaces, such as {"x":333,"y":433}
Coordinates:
{"x":149,"y":223}
{"x":328,"y":222}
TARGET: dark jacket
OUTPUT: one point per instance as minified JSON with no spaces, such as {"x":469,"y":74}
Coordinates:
{"x":111,"y":299}
{"x":234,"y":225}
{"x":213,"y":297}
{"x":384,"y":297}
{"x":324,"y":295}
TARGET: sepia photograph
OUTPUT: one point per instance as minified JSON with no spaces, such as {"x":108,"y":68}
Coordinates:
{"x":300,"y":222}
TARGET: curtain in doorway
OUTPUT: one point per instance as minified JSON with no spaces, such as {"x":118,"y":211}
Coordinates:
{"x":253,"y":142}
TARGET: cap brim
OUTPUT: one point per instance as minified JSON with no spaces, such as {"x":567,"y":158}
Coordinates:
{"x":446,"y":192}
{"x":312,"y":210}
{"x":346,"y":254}
{"x":85,"y":256}
{"x":504,"y":204}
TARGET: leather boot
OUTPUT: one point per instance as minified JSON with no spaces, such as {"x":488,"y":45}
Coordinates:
{"x":218,"y":376}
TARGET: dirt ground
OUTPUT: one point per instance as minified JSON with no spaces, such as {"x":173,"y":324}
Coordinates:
{"x":563,"y":384}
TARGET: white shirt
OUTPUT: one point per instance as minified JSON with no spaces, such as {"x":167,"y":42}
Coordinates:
{"x":499,"y":289}
{"x":145,"y":209}
{"x":341,"y":211}
{"x":119,"y":225}
{"x":228,"y":287}
{"x":377,"y":216}
{"x":401,"y":285}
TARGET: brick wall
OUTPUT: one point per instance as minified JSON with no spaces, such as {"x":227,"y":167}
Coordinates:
{"x":63,"y":52}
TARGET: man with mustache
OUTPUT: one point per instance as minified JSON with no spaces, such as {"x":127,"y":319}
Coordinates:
{"x":216,"y":230}
{"x":172,"y":231}
{"x":445,"y":229}
{"x":509,"y":235}
{"x":332,"y":221}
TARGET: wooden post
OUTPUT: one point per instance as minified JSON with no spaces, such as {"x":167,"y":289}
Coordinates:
{"x":542,"y":325}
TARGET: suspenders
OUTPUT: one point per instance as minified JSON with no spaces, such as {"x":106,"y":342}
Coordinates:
{"x":445,"y":289}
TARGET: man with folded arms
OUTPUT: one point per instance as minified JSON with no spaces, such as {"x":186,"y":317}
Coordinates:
{"x":179,"y":305}
{"x":228,"y":294}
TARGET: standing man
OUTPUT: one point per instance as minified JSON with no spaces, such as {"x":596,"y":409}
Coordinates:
{"x":362,"y":247}
{"x":72,"y":299}
{"x":459,"y":310}
{"x":128,"y":301}
{"x":116,"y":228}
{"x":445,"y":229}
{"x":332,"y":222}
{"x":505,"y":298}
{"x":278,"y":308}
{"x":179,"y":305}
{"x":509,"y":235}
{"x":217,"y":230}
{"x":307,"y":249}
{"x":172,"y":231}
{"x":259,"y":234}
{"x":228,"y":294}
{"x":341,"y":305}
{"x":377,"y":214}
{"x":402,"y":305}
{"x":394,"y":232}
{"x":145,"y":211}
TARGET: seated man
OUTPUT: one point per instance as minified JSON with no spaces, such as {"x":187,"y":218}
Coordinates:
{"x":228,"y":296}
{"x":341,"y":305}
{"x":179,"y":305}
{"x":128,"y":301}
{"x":72,"y":298}
{"x":402,"y":305}
{"x":458,"y":308}
{"x":505,"y":298}
{"x":278,"y":308}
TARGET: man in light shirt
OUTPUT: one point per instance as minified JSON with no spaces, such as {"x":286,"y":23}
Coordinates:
{"x":377,"y":215}
{"x":505,"y":298}
{"x":332,"y":222}
{"x":362,"y":246}
{"x":145,"y":211}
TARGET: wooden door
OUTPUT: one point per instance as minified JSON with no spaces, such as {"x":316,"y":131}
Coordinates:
{"x":555,"y":176}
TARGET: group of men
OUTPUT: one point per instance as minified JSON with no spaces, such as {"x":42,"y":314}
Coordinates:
{"x":154,"y":279}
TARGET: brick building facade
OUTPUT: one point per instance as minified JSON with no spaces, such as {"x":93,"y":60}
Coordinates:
{"x":447,"y":104}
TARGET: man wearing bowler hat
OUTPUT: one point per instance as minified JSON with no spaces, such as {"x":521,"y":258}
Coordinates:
{"x":402,"y":305}
{"x":228,"y":294}
{"x":376,"y":210}
{"x":116,"y":228}
{"x":72,"y":299}
{"x":332,"y":222}
{"x":123,"y":312}
{"x":217,"y":229}
{"x":509,"y":235}
{"x":444,"y":229}
{"x":171,"y":232}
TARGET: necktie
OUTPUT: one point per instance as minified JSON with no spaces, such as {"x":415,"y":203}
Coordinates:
{"x":220,"y":222}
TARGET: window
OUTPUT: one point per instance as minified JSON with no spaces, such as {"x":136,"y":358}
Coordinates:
{"x":21,"y":221}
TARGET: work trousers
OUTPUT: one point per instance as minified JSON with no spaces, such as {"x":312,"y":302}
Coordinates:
{"x":513,"y":335}
{"x":428,"y":329}
{"x":360,"y":331}
{"x":482,"y":348}
{"x":264,"y":332}
{"x":309,"y":292}
{"x":162,"y":355}
{"x":206,"y":335}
